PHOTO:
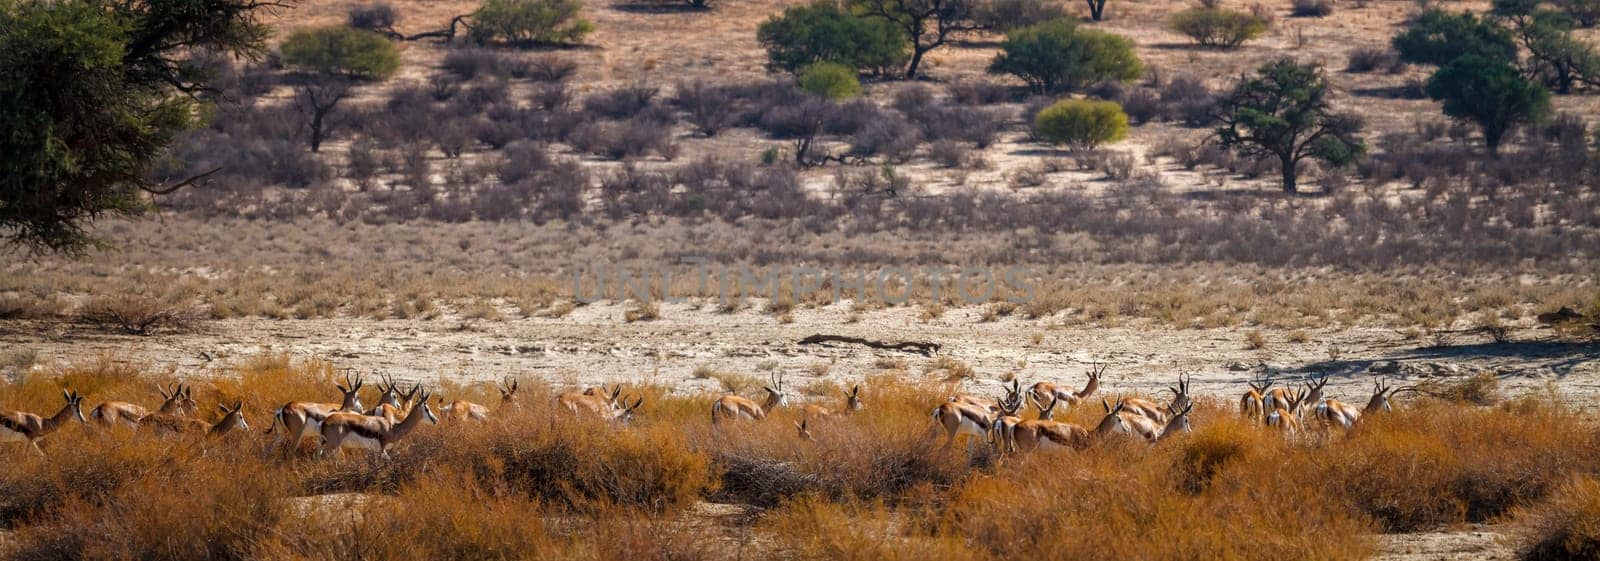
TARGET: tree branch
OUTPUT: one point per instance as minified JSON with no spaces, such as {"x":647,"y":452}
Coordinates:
{"x":181,"y":184}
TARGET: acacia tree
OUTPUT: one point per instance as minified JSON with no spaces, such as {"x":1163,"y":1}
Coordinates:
{"x":1284,"y":112}
{"x":94,"y":93}
{"x":1490,"y":93}
{"x":926,"y":24}
{"x":331,"y":59}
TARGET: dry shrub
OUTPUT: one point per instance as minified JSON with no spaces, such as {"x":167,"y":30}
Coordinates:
{"x":1566,"y":527}
{"x":814,"y":528}
{"x":1255,"y":340}
{"x":1479,"y":389}
{"x":136,"y":314}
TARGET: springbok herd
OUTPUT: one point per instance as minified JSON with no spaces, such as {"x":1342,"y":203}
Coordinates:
{"x":349,"y":425}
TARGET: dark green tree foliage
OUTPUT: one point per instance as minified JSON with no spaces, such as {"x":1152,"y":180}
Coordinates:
{"x":1555,"y":55}
{"x":925,"y":24}
{"x":93,"y":92}
{"x":1283,"y":112}
{"x":1438,"y":37}
{"x":1056,"y":57}
{"x":825,"y":32}
{"x":344,"y":51}
{"x":1490,"y":93}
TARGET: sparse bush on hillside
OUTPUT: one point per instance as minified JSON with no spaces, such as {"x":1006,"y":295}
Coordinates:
{"x":1002,"y":16}
{"x":1367,"y":59}
{"x":826,"y":32}
{"x":829,"y":80}
{"x":135,"y":314}
{"x":1189,"y":101}
{"x":1057,"y":57}
{"x":1216,"y":27}
{"x":377,"y":17}
{"x":709,"y":108}
{"x":1312,"y":8}
{"x":529,"y":22}
{"x":1081,"y":124}
{"x":1565,"y":527}
{"x":621,"y":103}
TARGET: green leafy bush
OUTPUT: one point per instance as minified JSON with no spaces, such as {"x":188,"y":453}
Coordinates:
{"x":830,"y":80}
{"x":825,"y":32}
{"x":1216,"y":27}
{"x":530,"y":22}
{"x":341,"y":50}
{"x":1081,"y":123}
{"x":1055,"y":57}
{"x":1438,"y":37}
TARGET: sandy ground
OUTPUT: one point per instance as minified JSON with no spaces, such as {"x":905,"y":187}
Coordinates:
{"x":593,"y":345}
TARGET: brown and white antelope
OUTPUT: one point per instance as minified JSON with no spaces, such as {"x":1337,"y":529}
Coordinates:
{"x":176,"y":399}
{"x":1158,"y":414}
{"x":733,"y":407}
{"x":1177,"y":423}
{"x":232,"y":420}
{"x":376,"y":434}
{"x":1285,"y":416}
{"x":301,"y":419}
{"x":1253,"y":405}
{"x":1334,"y":412}
{"x":599,"y":402}
{"x":852,"y":403}
{"x":393,"y":403}
{"x":17,"y":426}
{"x":1045,"y":434}
{"x":960,"y":417}
{"x":1042,"y":392}
{"x":461,"y":410}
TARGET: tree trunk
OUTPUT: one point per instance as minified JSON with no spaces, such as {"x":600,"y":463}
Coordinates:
{"x":916,"y":60}
{"x":1097,"y":9}
{"x":1291,"y":176}
{"x":316,"y":128}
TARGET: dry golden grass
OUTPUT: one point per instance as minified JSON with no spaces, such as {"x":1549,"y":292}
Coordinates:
{"x":1566,"y":527}
{"x":536,"y":482}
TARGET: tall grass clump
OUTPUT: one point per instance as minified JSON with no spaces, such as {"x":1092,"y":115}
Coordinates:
{"x":1564,"y":528}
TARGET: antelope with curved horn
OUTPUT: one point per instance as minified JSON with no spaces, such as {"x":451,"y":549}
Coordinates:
{"x":735,"y":407}
{"x":1335,"y":412}
{"x":17,"y":426}
{"x":1042,"y":391}
{"x":462,"y":410}
{"x":398,"y":404}
{"x":176,"y":399}
{"x":1252,"y":405}
{"x":1157,"y":414}
{"x":232,"y":420}
{"x":852,"y":403}
{"x":1177,"y":423}
{"x":1286,"y":416}
{"x":958,"y":418}
{"x":599,"y":402}
{"x":301,"y":419}
{"x":354,"y":430}
{"x":1045,"y":434}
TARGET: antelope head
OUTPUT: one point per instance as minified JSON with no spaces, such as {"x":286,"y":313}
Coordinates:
{"x":388,"y":392}
{"x":1046,"y":412}
{"x":508,"y":392}
{"x":1096,"y":370}
{"x":624,"y":415}
{"x":852,"y":400}
{"x":74,"y":401}
{"x":1177,"y":421}
{"x":1180,"y":393}
{"x":775,"y":395}
{"x":177,"y":399}
{"x":350,"y":388}
{"x":427,"y":410}
{"x":1112,"y":422}
{"x":232,"y":419}
{"x":1314,"y":388}
{"x":1381,"y":393}
{"x":1259,"y":388}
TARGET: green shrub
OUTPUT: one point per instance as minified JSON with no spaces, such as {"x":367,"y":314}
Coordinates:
{"x":530,"y":22}
{"x":830,"y":80}
{"x":1216,"y":27}
{"x":1055,"y":57}
{"x":1438,"y":37}
{"x":825,"y":32}
{"x":1081,"y":123}
{"x":342,"y":50}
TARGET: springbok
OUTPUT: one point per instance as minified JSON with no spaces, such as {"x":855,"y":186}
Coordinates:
{"x":1156,"y":413}
{"x":600,"y":401}
{"x":461,"y":410}
{"x":394,"y":404}
{"x":852,"y":403}
{"x":177,"y":399}
{"x":1253,"y":406}
{"x":354,"y":430}
{"x":736,"y":407}
{"x":1042,"y":391}
{"x":958,"y":418}
{"x":1177,"y":423}
{"x":1045,"y":434}
{"x":17,"y":426}
{"x":232,"y":420}
{"x":1335,"y":412}
{"x":301,"y":419}
{"x":1286,"y":416}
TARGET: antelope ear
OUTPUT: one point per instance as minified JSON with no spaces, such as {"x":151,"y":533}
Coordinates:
{"x":66,"y":394}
